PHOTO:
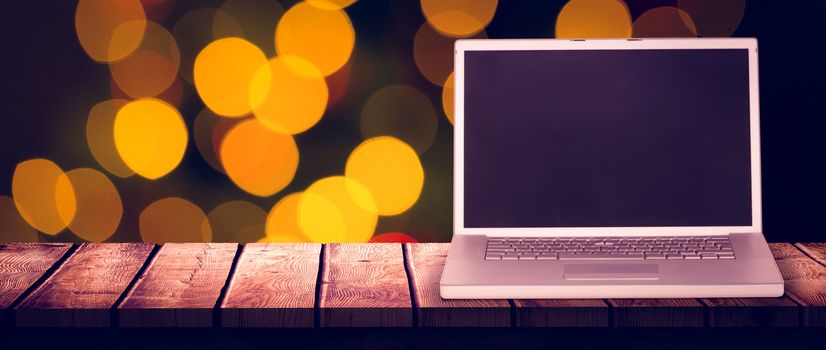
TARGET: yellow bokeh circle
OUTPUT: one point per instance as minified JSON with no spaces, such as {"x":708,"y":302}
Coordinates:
{"x":100,"y":136}
{"x":152,"y":67}
{"x":237,"y":221}
{"x":594,"y":19}
{"x":14,"y":228}
{"x":322,"y":36}
{"x":99,"y":207}
{"x":331,"y":4}
{"x":258,"y":160}
{"x":174,"y":220}
{"x":43,"y":195}
{"x":448,"y":92}
{"x":390,"y":170}
{"x":150,"y":137}
{"x":459,"y":18}
{"x":292,"y":93}
{"x":223,"y":74}
{"x":96,"y":22}
{"x":337,"y":209}
{"x":282,"y":221}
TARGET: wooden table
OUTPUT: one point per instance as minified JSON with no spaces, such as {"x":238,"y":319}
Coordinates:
{"x":338,"y":285}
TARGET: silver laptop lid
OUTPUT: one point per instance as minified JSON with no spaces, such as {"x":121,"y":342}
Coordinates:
{"x":562,"y":137}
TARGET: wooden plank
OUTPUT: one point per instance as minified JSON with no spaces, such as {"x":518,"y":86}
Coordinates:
{"x":816,"y":250}
{"x":657,"y":312}
{"x":425,"y":262}
{"x":274,"y":285}
{"x":561,"y":313}
{"x":21,"y":265}
{"x":180,"y":287}
{"x":805,"y":282}
{"x":364,"y":285}
{"x":83,"y":290}
{"x":752,"y":312}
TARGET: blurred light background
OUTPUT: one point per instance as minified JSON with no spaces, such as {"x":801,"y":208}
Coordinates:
{"x":317,"y":120}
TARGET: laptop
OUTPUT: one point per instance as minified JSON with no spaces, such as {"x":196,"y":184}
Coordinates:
{"x":607,"y":169}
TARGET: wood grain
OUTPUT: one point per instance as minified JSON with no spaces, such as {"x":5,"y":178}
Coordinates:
{"x":657,"y":312}
{"x":561,"y":313}
{"x":83,"y":290}
{"x":816,"y":250}
{"x":274,"y":285}
{"x":180,"y":287}
{"x":364,"y":285}
{"x":805,"y":282}
{"x":425,"y":262}
{"x":21,"y":265}
{"x":752,"y":312}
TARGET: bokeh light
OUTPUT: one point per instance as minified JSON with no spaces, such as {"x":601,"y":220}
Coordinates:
{"x":393,"y":237}
{"x":43,"y":195}
{"x":257,"y":20}
{"x":403,"y":112}
{"x":255,"y":82}
{"x":337,"y":209}
{"x":448,"y":92}
{"x":390,"y":170}
{"x":594,"y":19}
{"x":174,"y":220}
{"x":258,"y":160}
{"x":282,"y":221}
{"x":237,"y":221}
{"x":459,"y":18}
{"x":433,"y":53}
{"x":331,"y":4}
{"x":150,"y":137}
{"x":196,"y":29}
{"x":174,"y":94}
{"x":292,"y":93}
{"x":14,"y":228}
{"x":100,"y":137}
{"x":223,"y":73}
{"x":665,"y":22}
{"x":714,"y":18}
{"x":325,"y":37}
{"x":209,"y":130}
{"x":152,"y":67}
{"x":96,"y":22}
{"x":98,"y":203}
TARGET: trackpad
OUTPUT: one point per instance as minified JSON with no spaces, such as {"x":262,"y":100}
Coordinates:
{"x":622,"y":272}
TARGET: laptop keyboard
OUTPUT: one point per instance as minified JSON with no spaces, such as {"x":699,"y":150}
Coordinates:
{"x":610,"y":248}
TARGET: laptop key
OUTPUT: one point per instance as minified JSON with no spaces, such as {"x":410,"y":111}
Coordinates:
{"x":600,"y":256}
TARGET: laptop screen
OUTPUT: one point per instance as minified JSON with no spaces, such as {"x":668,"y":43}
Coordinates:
{"x":607,"y":138}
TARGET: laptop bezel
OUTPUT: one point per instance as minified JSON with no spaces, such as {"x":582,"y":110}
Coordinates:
{"x":462,"y":46}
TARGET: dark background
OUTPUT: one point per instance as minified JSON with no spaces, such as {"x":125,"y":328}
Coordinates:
{"x":49,"y":85}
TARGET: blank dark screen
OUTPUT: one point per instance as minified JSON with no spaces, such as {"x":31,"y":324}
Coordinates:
{"x":617,"y":138}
